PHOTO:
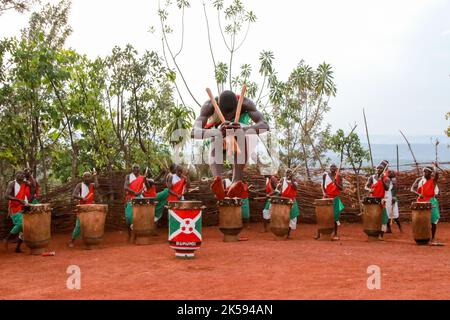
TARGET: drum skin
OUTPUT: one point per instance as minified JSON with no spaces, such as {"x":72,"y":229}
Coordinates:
{"x":143,"y":220}
{"x":372,"y":218}
{"x":230,"y":219}
{"x":37,"y":227}
{"x":92,"y":222}
{"x":421,"y":217}
{"x":325,"y":216}
{"x":280,"y":209}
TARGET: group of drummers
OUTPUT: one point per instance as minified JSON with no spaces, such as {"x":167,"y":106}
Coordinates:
{"x":382,"y":188}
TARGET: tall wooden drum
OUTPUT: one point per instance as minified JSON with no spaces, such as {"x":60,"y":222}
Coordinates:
{"x":143,"y":220}
{"x":185,"y":228}
{"x":92,"y":223}
{"x":230,"y":219}
{"x":373,"y":216}
{"x":325,"y":216}
{"x":280,"y":211}
{"x":421,"y":222}
{"x":37,"y":227}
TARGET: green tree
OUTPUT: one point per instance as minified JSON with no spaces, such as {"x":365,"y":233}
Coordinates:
{"x":352,"y":153}
{"x":300,"y":105}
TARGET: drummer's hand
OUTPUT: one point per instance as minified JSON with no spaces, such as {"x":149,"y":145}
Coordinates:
{"x":22,"y":202}
{"x":224,"y":127}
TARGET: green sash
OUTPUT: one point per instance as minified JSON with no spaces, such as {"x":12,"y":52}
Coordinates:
{"x":245,"y":209}
{"x":295,"y":211}
{"x":435,"y":211}
{"x":338,"y":207}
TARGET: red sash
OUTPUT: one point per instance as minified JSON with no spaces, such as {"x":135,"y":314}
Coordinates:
{"x":290,"y":192}
{"x":245,"y":192}
{"x":15,"y":206}
{"x":177,"y":188}
{"x":427,"y":190}
{"x":136,"y":186}
{"x":378,"y":190}
{"x":332,"y":190}
{"x":269,"y":188}
{"x":90,"y":197}
{"x":150,"y":193}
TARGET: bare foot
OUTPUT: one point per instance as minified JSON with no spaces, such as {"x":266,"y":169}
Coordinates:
{"x":380,"y":238}
{"x":317,"y":237}
{"x":335,"y":238}
{"x":71,"y":244}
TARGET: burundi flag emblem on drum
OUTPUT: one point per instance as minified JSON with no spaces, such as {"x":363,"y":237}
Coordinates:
{"x":185,"y":231}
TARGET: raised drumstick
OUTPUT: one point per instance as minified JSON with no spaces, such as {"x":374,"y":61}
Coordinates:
{"x":240,"y":103}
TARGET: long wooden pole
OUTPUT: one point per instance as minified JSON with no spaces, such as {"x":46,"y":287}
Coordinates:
{"x":412,"y":152}
{"x":368,"y":138}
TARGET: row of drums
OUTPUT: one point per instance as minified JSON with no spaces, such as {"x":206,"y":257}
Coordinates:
{"x":185,"y":222}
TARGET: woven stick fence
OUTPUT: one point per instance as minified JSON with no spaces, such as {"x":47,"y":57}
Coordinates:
{"x":111,"y":192}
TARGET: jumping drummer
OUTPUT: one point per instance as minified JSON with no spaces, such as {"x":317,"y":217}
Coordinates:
{"x":16,"y":194}
{"x":377,"y":185}
{"x":427,"y":190}
{"x":134,"y":188}
{"x":271,"y":190}
{"x":84,"y":193}
{"x":331,"y":188}
{"x":288,"y":188}
{"x":178,"y":185}
{"x":209,"y":126}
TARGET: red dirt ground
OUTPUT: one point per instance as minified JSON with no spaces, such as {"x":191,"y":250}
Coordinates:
{"x":262,"y":268}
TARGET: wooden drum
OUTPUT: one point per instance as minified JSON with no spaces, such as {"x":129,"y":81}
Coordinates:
{"x":421,"y":222}
{"x":325,"y":216}
{"x":143,"y":220}
{"x":185,"y":228}
{"x":373,"y":216}
{"x":92,"y":223}
{"x":280,"y":211}
{"x":230,"y":219}
{"x":37,"y":227}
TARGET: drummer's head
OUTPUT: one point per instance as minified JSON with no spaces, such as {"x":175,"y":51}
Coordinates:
{"x":289,"y":173}
{"x":136,"y":169}
{"x":427,"y":172}
{"x":179,"y":171}
{"x":228,"y":102}
{"x":380,"y":169}
{"x":333,"y":168}
{"x":27,"y":173}
{"x":173,"y":168}
{"x":20,"y":176}
{"x":87,"y":177}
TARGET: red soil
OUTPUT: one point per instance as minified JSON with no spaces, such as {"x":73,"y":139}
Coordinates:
{"x":262,"y":268}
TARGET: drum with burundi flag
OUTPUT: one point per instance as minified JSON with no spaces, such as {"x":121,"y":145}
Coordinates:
{"x":185,"y":228}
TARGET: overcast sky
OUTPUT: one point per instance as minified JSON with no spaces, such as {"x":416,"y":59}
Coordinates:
{"x":391,"y":57}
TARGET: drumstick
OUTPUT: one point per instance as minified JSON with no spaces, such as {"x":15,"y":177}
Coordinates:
{"x":239,"y":111}
{"x":195,"y":189}
{"x":240,"y":103}
{"x":220,"y":114}
{"x":215,"y":105}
